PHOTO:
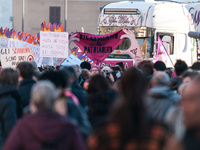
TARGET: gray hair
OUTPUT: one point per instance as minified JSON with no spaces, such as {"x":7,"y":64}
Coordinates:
{"x":160,"y":78}
{"x":34,"y":65}
{"x":43,"y":95}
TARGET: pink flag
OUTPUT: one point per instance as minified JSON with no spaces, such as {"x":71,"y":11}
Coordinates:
{"x":98,"y":47}
{"x":161,"y":51}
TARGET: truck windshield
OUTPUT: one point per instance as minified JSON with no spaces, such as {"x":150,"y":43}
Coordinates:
{"x":145,"y":44}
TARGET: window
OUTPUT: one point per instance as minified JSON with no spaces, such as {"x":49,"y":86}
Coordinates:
{"x":54,"y":15}
{"x":168,"y":41}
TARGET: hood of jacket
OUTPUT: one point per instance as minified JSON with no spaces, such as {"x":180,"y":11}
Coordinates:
{"x":9,"y":90}
{"x":163,"y":92}
{"x":101,"y":102}
{"x":49,"y":126}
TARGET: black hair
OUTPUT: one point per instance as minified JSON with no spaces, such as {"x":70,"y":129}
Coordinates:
{"x":85,"y":65}
{"x":159,"y":66}
{"x":180,"y":67}
{"x":196,"y":66}
{"x":59,"y":78}
{"x":26,"y":69}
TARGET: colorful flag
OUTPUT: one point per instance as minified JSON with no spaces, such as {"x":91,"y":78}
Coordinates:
{"x":161,"y":52}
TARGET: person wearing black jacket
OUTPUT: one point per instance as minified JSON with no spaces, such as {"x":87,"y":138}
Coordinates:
{"x":26,"y":71}
{"x":100,"y":100}
{"x":10,"y":104}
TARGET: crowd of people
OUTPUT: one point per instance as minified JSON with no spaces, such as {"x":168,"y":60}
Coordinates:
{"x":148,"y":107}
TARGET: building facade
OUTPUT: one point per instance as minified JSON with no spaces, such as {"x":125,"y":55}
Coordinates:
{"x":6,"y":13}
{"x":77,"y":13}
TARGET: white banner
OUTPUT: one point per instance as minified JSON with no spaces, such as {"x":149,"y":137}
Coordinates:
{"x":72,"y":60}
{"x":11,"y":57}
{"x":54,"y":44}
{"x":120,"y":20}
{"x":3,"y":42}
{"x":14,"y":43}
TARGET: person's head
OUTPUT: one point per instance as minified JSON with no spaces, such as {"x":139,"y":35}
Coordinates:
{"x":191,"y":104}
{"x":34,"y":65}
{"x":77,"y":69}
{"x":132,"y":89}
{"x":121,"y":65}
{"x":43,"y":95}
{"x":85,"y":65}
{"x":189,"y":75}
{"x":196,"y":66}
{"x":86,"y":74}
{"x":59,"y":78}
{"x":180,"y":67}
{"x":160,"y":78}
{"x":26,"y":70}
{"x":159,"y":66}
{"x":146,"y":66}
{"x":175,"y":82}
{"x":71,"y":72}
{"x":98,"y":83}
{"x":9,"y":77}
{"x":95,"y":70}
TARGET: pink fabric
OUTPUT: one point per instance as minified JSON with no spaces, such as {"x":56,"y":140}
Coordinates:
{"x":161,"y":51}
{"x":74,"y":98}
{"x":98,"y":47}
{"x":174,"y":74}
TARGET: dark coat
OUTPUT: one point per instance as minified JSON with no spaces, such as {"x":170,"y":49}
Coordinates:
{"x":45,"y":130}
{"x":25,"y":90}
{"x":99,"y":105}
{"x":158,"y":101}
{"x":79,"y":117}
{"x":80,"y":93}
{"x":9,"y":100}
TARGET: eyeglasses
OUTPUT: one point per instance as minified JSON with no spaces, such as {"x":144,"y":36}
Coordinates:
{"x":95,"y":70}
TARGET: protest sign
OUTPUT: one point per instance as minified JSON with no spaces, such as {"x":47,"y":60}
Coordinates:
{"x":97,"y":47}
{"x":72,"y":60}
{"x":54,"y":44}
{"x":3,"y":42}
{"x":14,"y":43}
{"x":11,"y":57}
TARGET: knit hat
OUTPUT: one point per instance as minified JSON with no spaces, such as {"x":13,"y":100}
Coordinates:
{"x":159,"y":66}
{"x":97,"y":68}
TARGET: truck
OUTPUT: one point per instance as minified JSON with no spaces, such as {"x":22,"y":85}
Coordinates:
{"x":149,"y":19}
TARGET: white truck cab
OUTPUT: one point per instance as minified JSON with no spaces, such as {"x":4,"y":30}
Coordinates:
{"x":170,"y":20}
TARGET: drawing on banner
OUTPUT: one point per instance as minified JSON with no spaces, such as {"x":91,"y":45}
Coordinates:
{"x":72,"y":60}
{"x":3,"y":42}
{"x":11,"y":57}
{"x":120,"y":20}
{"x":54,"y":44}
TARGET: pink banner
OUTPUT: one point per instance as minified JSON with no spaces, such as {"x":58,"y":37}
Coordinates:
{"x":98,"y":47}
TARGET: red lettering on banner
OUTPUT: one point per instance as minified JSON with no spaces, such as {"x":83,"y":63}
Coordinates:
{"x":46,"y":40}
{"x":47,"y":46}
{"x":44,"y":52}
{"x":20,"y":50}
{"x":63,"y":35}
{"x":57,"y":52}
{"x":55,"y":35}
{"x":44,"y":34}
{"x":63,"y":41}
{"x":60,"y":47}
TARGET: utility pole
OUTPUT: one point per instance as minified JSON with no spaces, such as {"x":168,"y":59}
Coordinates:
{"x":65,"y":15}
{"x":23,"y":6}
